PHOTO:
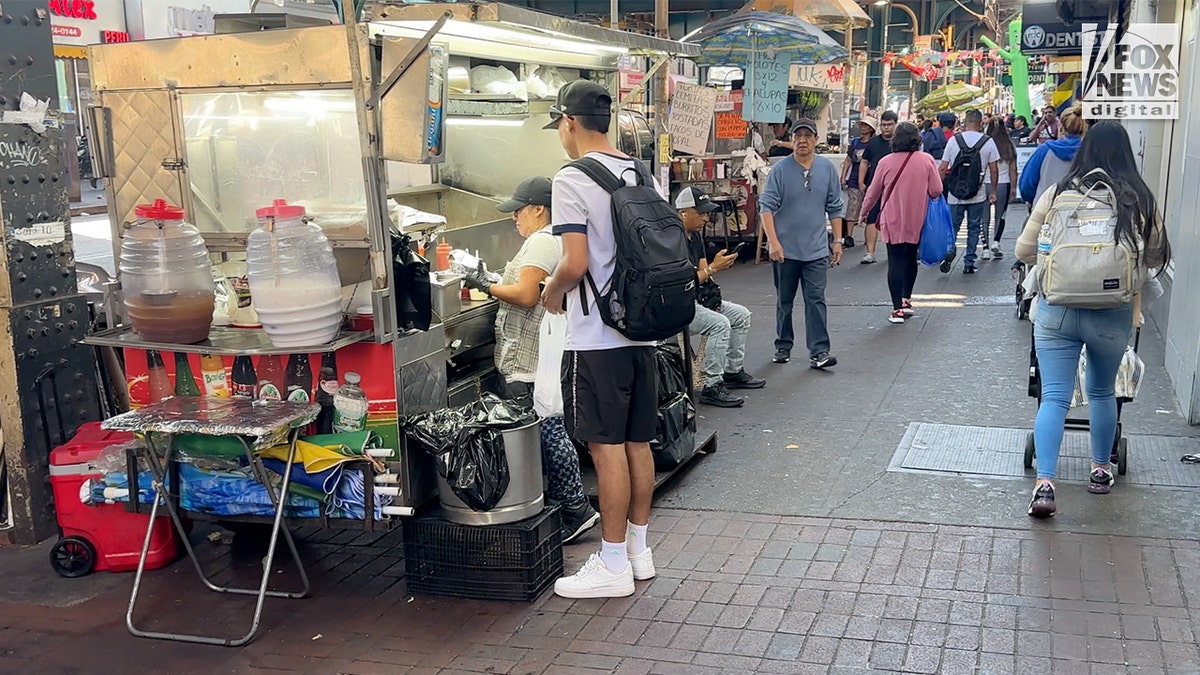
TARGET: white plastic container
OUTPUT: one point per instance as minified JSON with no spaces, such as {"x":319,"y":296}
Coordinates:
{"x":293,"y":278}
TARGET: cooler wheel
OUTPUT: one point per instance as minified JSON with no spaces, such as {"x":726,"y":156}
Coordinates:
{"x":73,"y":557}
{"x":1122,"y":455}
{"x":1029,"y":451}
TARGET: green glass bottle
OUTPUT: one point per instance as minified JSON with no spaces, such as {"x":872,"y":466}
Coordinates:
{"x":185,"y":382}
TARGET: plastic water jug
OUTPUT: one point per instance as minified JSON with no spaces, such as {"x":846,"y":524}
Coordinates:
{"x":167,"y":276}
{"x":293,"y":278}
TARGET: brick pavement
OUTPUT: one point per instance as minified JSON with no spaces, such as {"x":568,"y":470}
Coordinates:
{"x":736,"y":593}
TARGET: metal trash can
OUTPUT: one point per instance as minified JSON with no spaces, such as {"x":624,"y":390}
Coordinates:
{"x":523,"y":498}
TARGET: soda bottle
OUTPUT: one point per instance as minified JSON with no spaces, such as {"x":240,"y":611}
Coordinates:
{"x":327,"y":387}
{"x":160,"y":381}
{"x":212,"y":371}
{"x":185,"y":382}
{"x":245,"y":382}
{"x":299,"y":378}
{"x":350,"y":406}
{"x":270,"y":378}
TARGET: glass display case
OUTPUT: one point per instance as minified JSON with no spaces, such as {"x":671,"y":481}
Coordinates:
{"x":245,"y":149}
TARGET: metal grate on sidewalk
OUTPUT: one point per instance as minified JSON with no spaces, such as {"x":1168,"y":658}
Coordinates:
{"x":999,"y":453}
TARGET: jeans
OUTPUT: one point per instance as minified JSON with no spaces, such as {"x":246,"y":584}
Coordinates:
{"x":1060,"y":333}
{"x":811,"y":277}
{"x":993,"y":234}
{"x":902,"y":271}
{"x":726,"y":331}
{"x":560,"y":461}
{"x":974,"y":214}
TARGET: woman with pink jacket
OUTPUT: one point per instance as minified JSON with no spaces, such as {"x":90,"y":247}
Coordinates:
{"x":905,"y":181}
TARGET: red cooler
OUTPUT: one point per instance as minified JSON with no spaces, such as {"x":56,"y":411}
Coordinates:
{"x":105,"y":536}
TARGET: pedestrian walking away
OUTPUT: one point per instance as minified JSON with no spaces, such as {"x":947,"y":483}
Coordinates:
{"x":609,"y":386}
{"x":904,"y":183}
{"x":1104,"y":180}
{"x":850,"y":176}
{"x":993,"y":226}
{"x":970,"y":156}
{"x":803,"y":194}
{"x":879,"y":147}
{"x":724,"y":324}
{"x":518,"y":320}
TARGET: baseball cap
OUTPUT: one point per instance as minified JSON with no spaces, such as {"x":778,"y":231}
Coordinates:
{"x":947,"y":119}
{"x":870,"y":121}
{"x":531,"y":191}
{"x":581,"y":97}
{"x":695,"y":198}
{"x":804,"y":123}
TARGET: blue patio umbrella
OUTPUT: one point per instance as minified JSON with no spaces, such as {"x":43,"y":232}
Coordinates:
{"x":735,"y":39}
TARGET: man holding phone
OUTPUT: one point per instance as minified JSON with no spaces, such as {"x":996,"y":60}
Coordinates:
{"x":724,"y":323}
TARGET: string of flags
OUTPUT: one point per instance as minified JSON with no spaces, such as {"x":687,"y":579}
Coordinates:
{"x":928,"y":65}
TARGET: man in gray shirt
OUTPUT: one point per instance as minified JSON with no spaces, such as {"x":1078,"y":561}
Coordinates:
{"x":802,"y":191}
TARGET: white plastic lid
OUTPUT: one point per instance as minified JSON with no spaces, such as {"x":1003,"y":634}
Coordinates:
{"x":364,"y":310}
{"x":353,"y":378}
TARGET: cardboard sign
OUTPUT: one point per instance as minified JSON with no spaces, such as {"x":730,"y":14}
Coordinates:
{"x":828,"y":77}
{"x":730,"y":125}
{"x":767,"y":99}
{"x":729,"y":101}
{"x":691,"y":118}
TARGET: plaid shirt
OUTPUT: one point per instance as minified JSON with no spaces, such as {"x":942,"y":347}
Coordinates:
{"x":517,"y":327}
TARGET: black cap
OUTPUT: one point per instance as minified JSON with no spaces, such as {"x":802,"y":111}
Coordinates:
{"x":581,"y":97}
{"x":947,"y":119}
{"x":531,"y":191}
{"x":695,"y":198}
{"x":804,"y":123}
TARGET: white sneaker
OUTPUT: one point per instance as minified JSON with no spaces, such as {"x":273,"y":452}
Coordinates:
{"x":868,"y":259}
{"x":595,"y":580}
{"x":986,"y":254}
{"x":643,"y":565}
{"x":996,"y":252}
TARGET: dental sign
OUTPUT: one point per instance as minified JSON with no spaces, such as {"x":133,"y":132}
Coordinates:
{"x":1133,"y":75}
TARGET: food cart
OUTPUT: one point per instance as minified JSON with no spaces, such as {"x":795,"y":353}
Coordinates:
{"x":379,"y":130}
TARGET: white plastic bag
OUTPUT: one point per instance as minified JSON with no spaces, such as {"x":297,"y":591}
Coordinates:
{"x":547,"y":382}
{"x":1129,"y":377}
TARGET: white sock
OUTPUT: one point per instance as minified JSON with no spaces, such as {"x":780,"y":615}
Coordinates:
{"x":614,"y":556}
{"x":635,"y":538}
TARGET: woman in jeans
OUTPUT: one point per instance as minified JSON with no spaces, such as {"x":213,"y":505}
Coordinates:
{"x":904,"y":182}
{"x":1008,"y":179}
{"x":1061,"y":332}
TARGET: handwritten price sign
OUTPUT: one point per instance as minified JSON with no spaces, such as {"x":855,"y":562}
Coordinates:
{"x":691,"y":118}
{"x":767,"y":99}
{"x":730,"y":125}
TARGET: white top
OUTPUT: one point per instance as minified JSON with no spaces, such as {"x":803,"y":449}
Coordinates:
{"x":580,"y":205}
{"x":1003,"y":168}
{"x":987,"y":154}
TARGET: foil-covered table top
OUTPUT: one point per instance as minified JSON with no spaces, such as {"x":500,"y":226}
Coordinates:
{"x":216,"y":417}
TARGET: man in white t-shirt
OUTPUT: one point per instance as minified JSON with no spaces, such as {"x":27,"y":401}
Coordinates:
{"x":972,"y":137}
{"x":610,"y":395}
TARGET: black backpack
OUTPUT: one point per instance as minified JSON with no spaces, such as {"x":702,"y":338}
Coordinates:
{"x":966,"y":174}
{"x":652,"y":294}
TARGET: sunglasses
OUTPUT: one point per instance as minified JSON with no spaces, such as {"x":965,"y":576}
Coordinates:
{"x":807,"y":181}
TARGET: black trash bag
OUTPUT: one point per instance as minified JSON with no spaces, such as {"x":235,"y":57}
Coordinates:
{"x":410,"y":285}
{"x":468,"y":446}
{"x":675,"y":441}
{"x":670,"y":373}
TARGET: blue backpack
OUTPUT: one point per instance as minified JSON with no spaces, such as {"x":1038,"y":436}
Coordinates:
{"x":933,"y":142}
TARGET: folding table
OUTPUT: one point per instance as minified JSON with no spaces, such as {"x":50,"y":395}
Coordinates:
{"x":257,"y":425}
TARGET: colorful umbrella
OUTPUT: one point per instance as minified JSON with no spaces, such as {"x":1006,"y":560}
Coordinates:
{"x":948,"y":98}
{"x":835,"y":14}
{"x":735,"y":39}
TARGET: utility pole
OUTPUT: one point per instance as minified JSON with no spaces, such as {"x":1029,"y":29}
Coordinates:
{"x":662,"y":89}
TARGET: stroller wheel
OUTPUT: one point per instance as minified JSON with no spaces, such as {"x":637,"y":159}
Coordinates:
{"x":1029,"y":451}
{"x":1122,"y":455}
{"x":73,"y":557}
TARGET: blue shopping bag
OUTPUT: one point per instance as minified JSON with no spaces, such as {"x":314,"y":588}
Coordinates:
{"x":937,"y":235}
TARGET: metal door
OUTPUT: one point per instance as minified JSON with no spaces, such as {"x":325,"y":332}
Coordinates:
{"x":141,"y":150}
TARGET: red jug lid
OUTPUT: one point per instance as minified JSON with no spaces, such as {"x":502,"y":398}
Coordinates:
{"x":159,"y":210}
{"x":281,"y":209}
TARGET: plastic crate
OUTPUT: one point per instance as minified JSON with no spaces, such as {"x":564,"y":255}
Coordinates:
{"x":517,"y":561}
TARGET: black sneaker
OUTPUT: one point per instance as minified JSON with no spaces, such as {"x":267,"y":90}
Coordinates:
{"x":743,"y":380}
{"x":948,"y":261}
{"x":968,"y":269}
{"x":822,"y":361}
{"x":1101,"y":481}
{"x":576,"y":520}
{"x":1042,"y":504}
{"x":717,"y":395}
{"x":781,"y":356}
{"x":848,"y":242}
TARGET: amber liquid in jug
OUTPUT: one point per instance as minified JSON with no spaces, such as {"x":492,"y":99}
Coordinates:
{"x":179,"y":318}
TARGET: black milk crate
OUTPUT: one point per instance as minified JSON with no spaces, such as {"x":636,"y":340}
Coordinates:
{"x":516,"y":561}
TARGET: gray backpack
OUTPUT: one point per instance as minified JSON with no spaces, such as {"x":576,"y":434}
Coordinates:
{"x":1080,"y":263}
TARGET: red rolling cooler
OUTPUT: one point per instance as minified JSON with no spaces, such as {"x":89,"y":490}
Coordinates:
{"x":103,"y":536}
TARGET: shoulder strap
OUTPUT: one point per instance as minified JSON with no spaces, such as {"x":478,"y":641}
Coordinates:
{"x":962,"y":142}
{"x":594,"y":169}
{"x":893,"y":185}
{"x":982,"y":142}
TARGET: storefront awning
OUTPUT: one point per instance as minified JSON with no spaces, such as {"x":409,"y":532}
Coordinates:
{"x":70,"y":52}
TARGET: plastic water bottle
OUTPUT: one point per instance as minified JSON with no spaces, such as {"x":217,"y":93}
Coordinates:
{"x":350,"y":406}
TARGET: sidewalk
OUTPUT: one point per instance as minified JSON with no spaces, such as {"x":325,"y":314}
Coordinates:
{"x":808,"y":543}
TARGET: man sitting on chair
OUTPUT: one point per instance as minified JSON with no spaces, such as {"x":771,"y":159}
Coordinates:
{"x":724,"y":323}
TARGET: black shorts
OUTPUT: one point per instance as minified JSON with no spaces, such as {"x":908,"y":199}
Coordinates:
{"x":610,"y":396}
{"x":873,"y":216}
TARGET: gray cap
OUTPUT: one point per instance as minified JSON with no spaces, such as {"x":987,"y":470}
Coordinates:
{"x":531,"y":191}
{"x":805,"y":123}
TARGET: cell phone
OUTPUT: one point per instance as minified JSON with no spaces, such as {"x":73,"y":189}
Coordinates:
{"x":740,"y":245}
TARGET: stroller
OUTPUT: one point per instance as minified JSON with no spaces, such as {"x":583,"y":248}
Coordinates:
{"x":1120,"y":447}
